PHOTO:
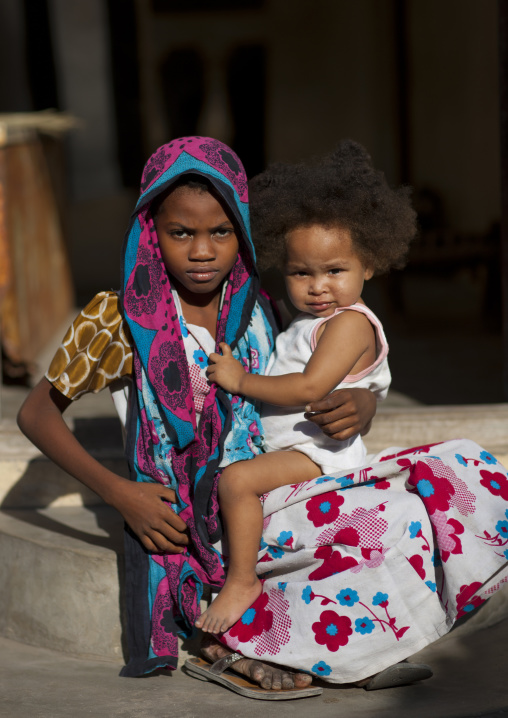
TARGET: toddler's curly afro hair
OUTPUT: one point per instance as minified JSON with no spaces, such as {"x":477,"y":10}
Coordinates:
{"x":342,"y":189}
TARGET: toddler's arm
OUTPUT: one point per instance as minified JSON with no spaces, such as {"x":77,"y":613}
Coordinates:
{"x":144,"y":506}
{"x":345,"y":339}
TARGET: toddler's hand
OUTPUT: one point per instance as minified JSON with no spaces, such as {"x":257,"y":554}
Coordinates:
{"x":225,"y":370}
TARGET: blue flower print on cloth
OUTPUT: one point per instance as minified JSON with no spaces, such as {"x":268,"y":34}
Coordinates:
{"x":183,"y":327}
{"x":248,"y":616}
{"x":344,"y":481}
{"x":461,"y":459}
{"x":307,"y":594}
{"x":414,"y":528}
{"x":323,"y":479}
{"x":502,"y":528}
{"x":380,"y":598}
{"x":364,"y":625}
{"x":488,"y":458}
{"x":285,"y":538}
{"x":321,"y":669}
{"x":275,"y":551}
{"x":200,"y":358}
{"x":425,"y":488}
{"x":347,"y":597}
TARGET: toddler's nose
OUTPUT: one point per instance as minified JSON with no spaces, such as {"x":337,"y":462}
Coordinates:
{"x":317,"y":285}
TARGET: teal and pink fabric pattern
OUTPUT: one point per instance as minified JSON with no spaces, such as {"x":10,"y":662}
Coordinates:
{"x":164,"y":441}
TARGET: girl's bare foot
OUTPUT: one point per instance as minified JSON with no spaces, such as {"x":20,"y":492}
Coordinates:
{"x":268,"y":677}
{"x":233,"y":600}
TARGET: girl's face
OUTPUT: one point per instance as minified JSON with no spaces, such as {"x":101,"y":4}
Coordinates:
{"x":322,"y":269}
{"x":198,"y":243}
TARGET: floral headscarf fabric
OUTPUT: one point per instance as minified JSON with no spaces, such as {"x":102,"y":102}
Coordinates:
{"x":164,"y":442}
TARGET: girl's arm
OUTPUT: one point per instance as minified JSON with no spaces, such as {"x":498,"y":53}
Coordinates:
{"x":344,"y":413}
{"x":345,"y":339}
{"x":144,"y":506}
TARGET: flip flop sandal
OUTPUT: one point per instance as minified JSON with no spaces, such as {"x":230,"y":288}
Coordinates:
{"x":400,"y":674}
{"x":217,"y":673}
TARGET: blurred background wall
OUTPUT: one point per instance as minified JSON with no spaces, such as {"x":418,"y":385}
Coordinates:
{"x":415,"y":81}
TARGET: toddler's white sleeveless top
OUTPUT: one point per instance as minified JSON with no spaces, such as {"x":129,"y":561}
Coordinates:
{"x":286,"y":429}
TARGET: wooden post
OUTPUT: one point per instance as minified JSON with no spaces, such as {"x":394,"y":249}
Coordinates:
{"x":503,"y":126}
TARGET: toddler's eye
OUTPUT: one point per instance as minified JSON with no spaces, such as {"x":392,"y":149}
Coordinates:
{"x":335,"y":270}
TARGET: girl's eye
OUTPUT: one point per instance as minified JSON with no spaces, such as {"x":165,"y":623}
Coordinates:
{"x":179,"y":234}
{"x":222,"y":233}
{"x":336,"y":270}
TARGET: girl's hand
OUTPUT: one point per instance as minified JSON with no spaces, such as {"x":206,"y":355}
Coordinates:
{"x":225,"y":370}
{"x":145,"y":508}
{"x":344,"y":413}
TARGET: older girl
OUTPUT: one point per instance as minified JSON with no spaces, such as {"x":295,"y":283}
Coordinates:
{"x":189,"y":281}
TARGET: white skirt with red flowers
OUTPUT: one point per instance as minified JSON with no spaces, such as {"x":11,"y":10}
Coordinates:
{"x":361,"y":571}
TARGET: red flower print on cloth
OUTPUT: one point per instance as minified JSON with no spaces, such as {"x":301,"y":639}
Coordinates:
{"x":372,"y":558}
{"x":424,"y":449}
{"x":333,"y":562}
{"x":279,"y":634}
{"x":447,"y":534}
{"x":416,"y":562}
{"x":348,"y":536}
{"x":324,"y":508}
{"x":332,"y":630}
{"x":496,"y":483}
{"x":466,"y":604}
{"x":435,"y":491}
{"x":254,"y":621}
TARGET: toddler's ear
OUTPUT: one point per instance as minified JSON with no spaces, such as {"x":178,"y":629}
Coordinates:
{"x":368,"y":273}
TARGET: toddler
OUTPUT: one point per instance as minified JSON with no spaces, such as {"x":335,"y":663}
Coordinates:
{"x":333,"y":225}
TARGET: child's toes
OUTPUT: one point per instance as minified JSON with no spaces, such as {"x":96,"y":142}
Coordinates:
{"x":217,"y":625}
{"x":204,"y":620}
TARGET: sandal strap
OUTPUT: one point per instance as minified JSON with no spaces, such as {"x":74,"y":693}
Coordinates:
{"x":224,"y":663}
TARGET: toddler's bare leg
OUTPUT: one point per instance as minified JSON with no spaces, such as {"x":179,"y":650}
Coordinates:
{"x":240,"y":487}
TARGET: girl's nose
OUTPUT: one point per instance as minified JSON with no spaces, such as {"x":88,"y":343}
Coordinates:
{"x":201,"y":248}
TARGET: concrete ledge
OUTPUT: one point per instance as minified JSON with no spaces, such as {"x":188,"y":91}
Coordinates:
{"x":60,"y":585}
{"x":62,"y":581}
{"x":413,"y":426}
{"x":29,"y":480}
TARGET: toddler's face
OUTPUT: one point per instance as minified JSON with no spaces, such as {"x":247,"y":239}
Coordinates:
{"x":197,"y":241}
{"x":322,"y":269}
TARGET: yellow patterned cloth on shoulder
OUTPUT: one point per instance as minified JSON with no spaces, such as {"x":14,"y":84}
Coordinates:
{"x":95,"y":351}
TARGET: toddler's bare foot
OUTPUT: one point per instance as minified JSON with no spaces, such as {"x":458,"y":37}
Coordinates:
{"x":233,"y":600}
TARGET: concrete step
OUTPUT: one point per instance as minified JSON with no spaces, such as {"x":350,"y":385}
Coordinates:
{"x":61,"y":570}
{"x":487,"y":424}
{"x":62,"y":585}
{"x":29,"y":480}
